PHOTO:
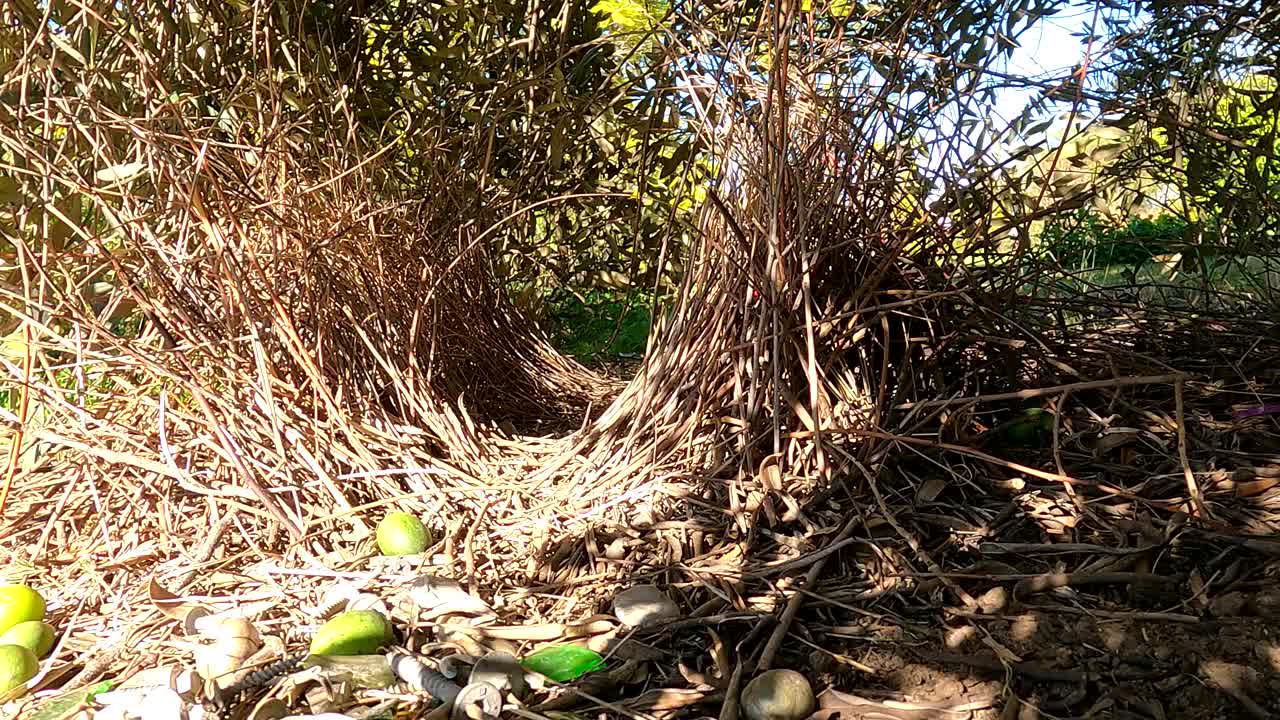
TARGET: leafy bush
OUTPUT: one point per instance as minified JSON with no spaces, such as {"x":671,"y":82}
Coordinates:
{"x":599,"y":325}
{"x":1084,"y":240}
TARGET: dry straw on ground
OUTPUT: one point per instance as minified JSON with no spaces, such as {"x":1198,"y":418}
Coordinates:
{"x":317,"y":347}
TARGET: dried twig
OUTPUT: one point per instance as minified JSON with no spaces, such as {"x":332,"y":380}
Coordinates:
{"x":1043,"y":392}
{"x":1193,"y":489}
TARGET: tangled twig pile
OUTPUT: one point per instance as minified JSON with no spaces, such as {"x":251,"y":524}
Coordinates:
{"x":307,"y":345}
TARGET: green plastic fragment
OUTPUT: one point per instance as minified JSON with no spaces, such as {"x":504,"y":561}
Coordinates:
{"x":68,"y":704}
{"x":563,"y":663}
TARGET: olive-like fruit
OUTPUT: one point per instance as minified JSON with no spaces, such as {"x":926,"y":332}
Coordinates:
{"x":778,"y":695}
{"x":17,"y":666}
{"x":400,"y":533}
{"x":19,"y":603}
{"x":34,"y":635}
{"x":358,"y":632}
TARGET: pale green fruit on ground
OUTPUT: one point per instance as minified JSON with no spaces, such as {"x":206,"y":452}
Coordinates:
{"x":778,"y":695}
{"x":402,"y":534}
{"x":19,"y":603}
{"x":33,"y":635}
{"x":358,"y":632}
{"x":17,"y":665}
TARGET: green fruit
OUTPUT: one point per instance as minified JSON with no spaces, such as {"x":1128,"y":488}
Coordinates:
{"x":358,"y":632}
{"x":17,"y":666}
{"x":776,"y":695}
{"x":402,"y":534}
{"x":1032,"y":427}
{"x":33,"y":635}
{"x":19,"y":603}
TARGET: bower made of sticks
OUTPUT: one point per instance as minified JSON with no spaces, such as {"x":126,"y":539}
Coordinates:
{"x":315,"y":339}
{"x":232,"y":302}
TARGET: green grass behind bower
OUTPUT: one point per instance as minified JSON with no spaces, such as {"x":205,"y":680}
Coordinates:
{"x":599,"y":326}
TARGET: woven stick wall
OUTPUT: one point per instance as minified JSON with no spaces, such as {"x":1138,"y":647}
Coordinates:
{"x":313,"y":340}
{"x":318,"y":342}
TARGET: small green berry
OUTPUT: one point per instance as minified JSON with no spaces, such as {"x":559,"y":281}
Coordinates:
{"x":400,"y":533}
{"x":19,"y":603}
{"x":357,"y":632}
{"x":17,"y":666}
{"x":34,"y":635}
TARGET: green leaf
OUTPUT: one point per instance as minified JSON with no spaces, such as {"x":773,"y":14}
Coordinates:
{"x":563,"y":663}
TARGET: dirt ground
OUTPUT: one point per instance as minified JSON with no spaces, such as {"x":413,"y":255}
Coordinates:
{"x":969,"y":594}
{"x":1084,"y":667}
{"x":1077,"y":664}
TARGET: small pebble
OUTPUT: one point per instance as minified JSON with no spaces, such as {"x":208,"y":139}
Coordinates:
{"x":778,"y":695}
{"x":1062,"y":658}
{"x":1229,"y":676}
{"x":1025,"y":627}
{"x":993,"y":601}
{"x":958,"y":637}
{"x":643,"y":604}
{"x":617,"y":549}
